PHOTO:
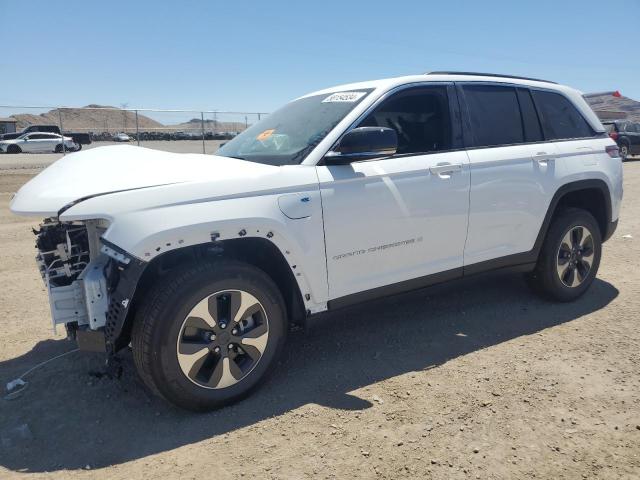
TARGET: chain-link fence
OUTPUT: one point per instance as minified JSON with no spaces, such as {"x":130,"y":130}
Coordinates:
{"x":184,"y":131}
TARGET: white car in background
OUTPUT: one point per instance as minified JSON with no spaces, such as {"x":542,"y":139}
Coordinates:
{"x":121,"y":137}
{"x":38,"y":142}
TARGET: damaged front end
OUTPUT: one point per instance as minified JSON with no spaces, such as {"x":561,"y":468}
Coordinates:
{"x":90,"y":282}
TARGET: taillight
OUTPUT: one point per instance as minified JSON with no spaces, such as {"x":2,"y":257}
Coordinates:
{"x":612,"y":151}
{"x":614,"y":135}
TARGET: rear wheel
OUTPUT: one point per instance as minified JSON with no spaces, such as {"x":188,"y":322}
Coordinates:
{"x":58,"y":148}
{"x":569,"y":258}
{"x":14,"y":149}
{"x":624,"y":151}
{"x":209,"y":335}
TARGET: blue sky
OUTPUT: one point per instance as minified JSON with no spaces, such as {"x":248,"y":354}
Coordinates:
{"x":254,"y":56}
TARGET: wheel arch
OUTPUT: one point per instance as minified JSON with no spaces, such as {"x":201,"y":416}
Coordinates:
{"x":258,"y":252}
{"x":592,"y":195}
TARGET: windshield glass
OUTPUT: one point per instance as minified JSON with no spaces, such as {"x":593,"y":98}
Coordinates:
{"x":289,"y":134}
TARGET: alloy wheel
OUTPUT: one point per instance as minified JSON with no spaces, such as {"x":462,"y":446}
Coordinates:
{"x":575,"y":256}
{"x":222,"y":339}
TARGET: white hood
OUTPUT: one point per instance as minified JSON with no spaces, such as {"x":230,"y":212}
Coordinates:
{"x":120,"y":167}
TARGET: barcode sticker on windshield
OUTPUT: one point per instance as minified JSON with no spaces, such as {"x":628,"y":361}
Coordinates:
{"x":344,"y":97}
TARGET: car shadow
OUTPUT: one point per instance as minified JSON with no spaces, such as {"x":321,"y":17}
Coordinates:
{"x":74,"y":419}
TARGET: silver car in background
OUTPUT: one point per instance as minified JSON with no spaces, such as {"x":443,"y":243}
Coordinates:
{"x":38,"y":142}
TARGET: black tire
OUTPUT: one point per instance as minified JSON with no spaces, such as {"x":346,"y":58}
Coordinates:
{"x":58,"y":148}
{"x":14,"y":149}
{"x":546,"y":278}
{"x":161,"y":323}
{"x":78,"y":148}
{"x":624,"y":151}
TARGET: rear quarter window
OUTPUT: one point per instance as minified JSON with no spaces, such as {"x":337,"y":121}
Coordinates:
{"x":560,"y":118}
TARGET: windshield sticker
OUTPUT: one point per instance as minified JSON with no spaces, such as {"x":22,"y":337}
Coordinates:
{"x":266,"y":134}
{"x":348,"y":97}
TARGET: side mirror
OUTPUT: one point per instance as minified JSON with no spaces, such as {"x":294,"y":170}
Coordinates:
{"x":363,"y":143}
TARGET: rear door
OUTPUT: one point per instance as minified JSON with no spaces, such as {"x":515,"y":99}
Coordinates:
{"x":50,"y":141}
{"x":513,"y":173}
{"x":40,"y":142}
{"x":400,"y":218}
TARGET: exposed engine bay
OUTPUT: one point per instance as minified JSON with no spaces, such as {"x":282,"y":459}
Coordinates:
{"x":75,"y":272}
{"x":63,"y":252}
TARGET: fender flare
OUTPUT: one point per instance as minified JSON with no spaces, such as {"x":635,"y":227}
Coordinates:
{"x":561,"y":192}
{"x":125,"y":273}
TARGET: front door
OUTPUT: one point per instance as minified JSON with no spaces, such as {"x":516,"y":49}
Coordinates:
{"x":392,"y":221}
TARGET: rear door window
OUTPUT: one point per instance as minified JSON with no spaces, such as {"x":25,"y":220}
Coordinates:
{"x":560,"y":118}
{"x":494,"y":113}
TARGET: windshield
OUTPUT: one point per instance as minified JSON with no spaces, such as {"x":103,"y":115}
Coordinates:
{"x":289,"y":134}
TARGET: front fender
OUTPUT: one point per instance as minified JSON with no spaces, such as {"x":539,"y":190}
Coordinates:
{"x":148,"y":233}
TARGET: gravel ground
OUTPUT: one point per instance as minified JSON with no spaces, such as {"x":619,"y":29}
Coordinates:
{"x":478,"y":379}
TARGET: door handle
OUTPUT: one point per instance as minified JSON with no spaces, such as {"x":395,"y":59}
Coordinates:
{"x":543,"y":157}
{"x":445,"y":168}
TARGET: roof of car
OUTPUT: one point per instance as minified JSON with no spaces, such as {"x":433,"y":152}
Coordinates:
{"x":388,"y":83}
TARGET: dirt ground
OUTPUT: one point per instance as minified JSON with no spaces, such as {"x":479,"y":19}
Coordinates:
{"x":479,"y":379}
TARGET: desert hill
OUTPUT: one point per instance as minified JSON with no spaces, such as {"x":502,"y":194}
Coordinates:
{"x":99,"y":118}
{"x":95,"y":118}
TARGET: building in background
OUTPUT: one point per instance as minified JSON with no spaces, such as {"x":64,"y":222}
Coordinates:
{"x":7,"y":125}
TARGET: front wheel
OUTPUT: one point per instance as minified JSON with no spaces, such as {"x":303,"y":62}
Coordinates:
{"x":209,"y":334}
{"x":569,"y":258}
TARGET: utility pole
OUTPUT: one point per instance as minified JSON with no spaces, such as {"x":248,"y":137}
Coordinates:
{"x":124,"y":116}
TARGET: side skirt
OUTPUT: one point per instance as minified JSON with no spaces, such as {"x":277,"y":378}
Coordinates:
{"x":521,"y":262}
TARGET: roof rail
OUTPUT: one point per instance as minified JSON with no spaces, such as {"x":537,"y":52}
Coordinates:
{"x":478,"y":74}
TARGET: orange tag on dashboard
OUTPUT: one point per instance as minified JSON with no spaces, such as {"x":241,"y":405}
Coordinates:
{"x":266,"y":134}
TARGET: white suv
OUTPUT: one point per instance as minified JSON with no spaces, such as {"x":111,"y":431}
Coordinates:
{"x":203,"y":263}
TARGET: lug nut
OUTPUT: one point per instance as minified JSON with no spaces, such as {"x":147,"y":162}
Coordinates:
{"x":217,"y":349}
{"x":223,"y":325}
{"x":234,"y":331}
{"x":230,"y":346}
{"x":212,"y":337}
